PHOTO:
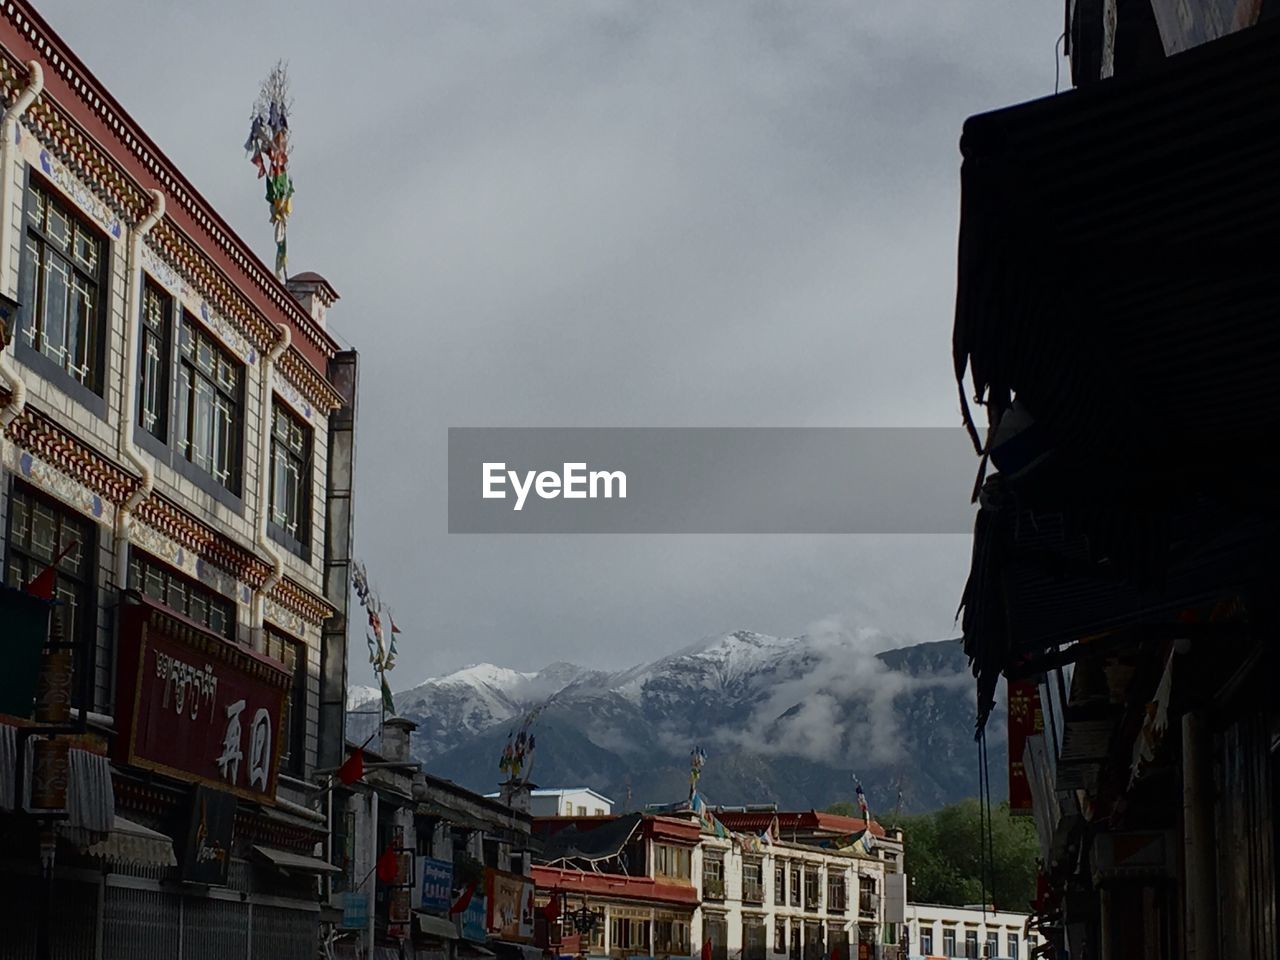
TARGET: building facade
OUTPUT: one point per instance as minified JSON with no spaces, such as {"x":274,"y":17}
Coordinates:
{"x":455,"y":853}
{"x":178,"y":442}
{"x":617,"y":887}
{"x":798,"y":886}
{"x":938,"y":931}
{"x":567,"y":802}
{"x":1120,"y":602}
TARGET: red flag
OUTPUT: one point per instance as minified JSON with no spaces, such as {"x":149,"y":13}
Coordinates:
{"x":42,"y":584}
{"x":388,"y":867}
{"x":552,"y":910}
{"x":352,"y":768}
{"x":464,"y":900}
{"x":706,"y":950}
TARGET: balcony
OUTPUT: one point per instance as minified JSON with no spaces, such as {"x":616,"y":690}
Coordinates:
{"x":867,"y":905}
{"x":812,"y":903}
{"x":752,"y":892}
{"x":712,"y":888}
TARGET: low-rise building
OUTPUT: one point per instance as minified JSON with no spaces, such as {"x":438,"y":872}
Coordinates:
{"x":461,"y":882}
{"x":617,"y":887}
{"x":567,"y":802}
{"x":798,"y":885}
{"x":935,"y":931}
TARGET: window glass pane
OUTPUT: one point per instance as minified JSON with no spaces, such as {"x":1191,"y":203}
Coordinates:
{"x":55,"y":310}
{"x":58,"y":226}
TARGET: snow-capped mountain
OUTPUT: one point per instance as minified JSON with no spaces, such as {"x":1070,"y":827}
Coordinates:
{"x":787,"y":719}
{"x":359,"y":695}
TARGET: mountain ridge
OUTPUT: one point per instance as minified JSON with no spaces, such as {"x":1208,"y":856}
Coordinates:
{"x":783,"y":719}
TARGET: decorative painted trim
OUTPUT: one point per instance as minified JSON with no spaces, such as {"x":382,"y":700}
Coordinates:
{"x":89,"y":481}
{"x":317,"y":391}
{"x":101,"y":107}
{"x":286,"y":620}
{"x":59,"y":485}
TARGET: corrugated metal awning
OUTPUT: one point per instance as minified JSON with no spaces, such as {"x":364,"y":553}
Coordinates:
{"x":293,"y":862}
{"x":438,"y":927}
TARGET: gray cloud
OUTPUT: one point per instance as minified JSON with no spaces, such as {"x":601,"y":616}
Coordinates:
{"x":726,"y":213}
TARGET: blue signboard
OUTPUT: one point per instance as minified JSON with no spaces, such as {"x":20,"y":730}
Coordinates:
{"x":355,"y":910}
{"x":437,"y":884}
{"x":475,"y":921}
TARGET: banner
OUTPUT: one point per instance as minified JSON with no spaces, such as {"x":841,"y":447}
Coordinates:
{"x":1025,"y":720}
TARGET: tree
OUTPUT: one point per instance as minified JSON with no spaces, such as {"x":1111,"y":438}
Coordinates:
{"x":944,"y":853}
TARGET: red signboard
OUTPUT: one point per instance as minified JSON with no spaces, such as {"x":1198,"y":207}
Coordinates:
{"x":196,"y":706}
{"x":1025,"y":720}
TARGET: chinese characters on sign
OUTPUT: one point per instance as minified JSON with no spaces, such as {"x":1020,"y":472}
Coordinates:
{"x":437,"y":884}
{"x":197,"y":707}
{"x":1025,"y":720}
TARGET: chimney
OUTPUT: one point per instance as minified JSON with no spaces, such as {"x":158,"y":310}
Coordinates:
{"x":518,"y":795}
{"x":395,"y":739}
{"x":314,"y":293}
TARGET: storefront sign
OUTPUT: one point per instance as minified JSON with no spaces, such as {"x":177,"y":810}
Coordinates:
{"x":355,"y":910}
{"x":475,"y":920}
{"x":398,"y":911}
{"x":206,"y":854}
{"x":1025,"y":720}
{"x":196,"y":706}
{"x":510,"y":906}
{"x":437,"y":883}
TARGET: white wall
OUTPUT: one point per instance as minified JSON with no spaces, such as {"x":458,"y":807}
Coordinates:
{"x":939,"y":919}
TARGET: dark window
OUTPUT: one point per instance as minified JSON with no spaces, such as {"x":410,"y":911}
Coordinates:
{"x":716,"y":929}
{"x":670,"y":937}
{"x":795,"y":886}
{"x":993,"y":944}
{"x":867,"y":896}
{"x":971,"y":944}
{"x":291,"y":475}
{"x":293,"y":654}
{"x":38,"y":531}
{"x":779,"y":935}
{"x":752,"y":880}
{"x":812,"y":898}
{"x":153,"y":362}
{"x":1012,"y":952}
{"x":64,"y":267}
{"x":753,"y":941}
{"x":835,"y":892}
{"x":713,"y":877}
{"x":187,"y":597}
{"x":210,"y":406}
{"x":926,"y":940}
{"x":780,"y":885}
{"x":949,"y":943}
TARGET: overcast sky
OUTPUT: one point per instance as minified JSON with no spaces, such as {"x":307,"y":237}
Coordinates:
{"x":696,"y":213}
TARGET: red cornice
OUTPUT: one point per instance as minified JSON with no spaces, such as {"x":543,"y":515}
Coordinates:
{"x":613,"y":886}
{"x":24,"y":35}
